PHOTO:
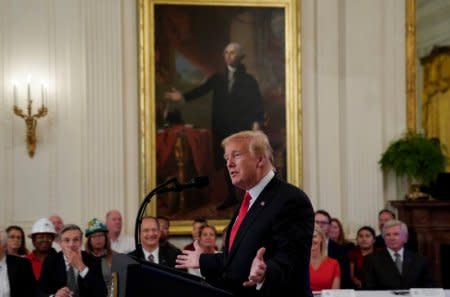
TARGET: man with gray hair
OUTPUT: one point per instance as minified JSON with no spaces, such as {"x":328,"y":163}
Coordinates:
{"x":395,"y":267}
{"x":16,"y":275}
{"x":236,"y":105}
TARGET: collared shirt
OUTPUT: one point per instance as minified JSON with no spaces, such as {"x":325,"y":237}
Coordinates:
{"x":256,"y":190}
{"x":155,"y":254}
{"x":82,"y":273}
{"x":4,"y":280}
{"x":392,"y":252}
{"x":123,"y":244}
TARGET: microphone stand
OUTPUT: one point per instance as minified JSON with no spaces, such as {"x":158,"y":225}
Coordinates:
{"x":158,"y":190}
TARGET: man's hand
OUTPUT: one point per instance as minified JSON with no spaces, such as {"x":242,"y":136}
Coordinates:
{"x":63,"y":292}
{"x":258,"y":269}
{"x":74,"y":258}
{"x":173,"y":95}
{"x":190,"y":259}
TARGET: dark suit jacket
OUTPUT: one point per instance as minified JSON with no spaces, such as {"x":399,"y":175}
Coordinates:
{"x":281,"y":220}
{"x":231,"y":111}
{"x":380,"y":272}
{"x":167,"y":255}
{"x":21,"y":277}
{"x":339,"y":253}
{"x":54,"y":276}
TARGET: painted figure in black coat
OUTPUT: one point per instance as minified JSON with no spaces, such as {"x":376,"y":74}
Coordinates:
{"x":236,"y":105}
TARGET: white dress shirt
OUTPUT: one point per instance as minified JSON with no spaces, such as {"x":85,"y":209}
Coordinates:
{"x":155,"y":254}
{"x":123,"y":244}
{"x":4,"y":280}
{"x":400,"y":252}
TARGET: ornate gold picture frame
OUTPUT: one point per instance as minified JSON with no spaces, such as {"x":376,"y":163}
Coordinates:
{"x":180,"y":44}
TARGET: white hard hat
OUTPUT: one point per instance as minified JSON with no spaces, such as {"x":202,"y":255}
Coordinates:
{"x":42,"y":226}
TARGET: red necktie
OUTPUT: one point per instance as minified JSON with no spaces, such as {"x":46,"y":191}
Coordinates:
{"x":242,"y":212}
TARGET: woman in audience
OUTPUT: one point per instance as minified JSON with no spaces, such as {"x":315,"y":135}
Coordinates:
{"x":365,"y":240}
{"x":207,"y":242}
{"x":324,"y":272}
{"x":15,"y":244}
{"x":337,"y":234}
{"x":99,"y":245}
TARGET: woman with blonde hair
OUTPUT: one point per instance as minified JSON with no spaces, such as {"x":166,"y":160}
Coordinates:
{"x":324,"y":272}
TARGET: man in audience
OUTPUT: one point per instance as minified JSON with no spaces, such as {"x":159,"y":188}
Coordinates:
{"x":42,"y":235}
{"x":149,"y":249}
{"x":164,"y":226}
{"x":195,"y":233}
{"x":16,"y":275}
{"x":322,"y":219}
{"x":120,"y":242}
{"x":72,"y":272}
{"x":395,"y":267}
{"x":384,"y":215}
{"x":58,"y":223}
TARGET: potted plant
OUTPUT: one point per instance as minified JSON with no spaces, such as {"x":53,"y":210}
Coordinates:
{"x":417,"y":158}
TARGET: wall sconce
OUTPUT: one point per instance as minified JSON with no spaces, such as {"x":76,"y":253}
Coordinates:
{"x":29,"y":117}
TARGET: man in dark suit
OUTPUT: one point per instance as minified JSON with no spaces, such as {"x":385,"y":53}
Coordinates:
{"x":396,"y":268}
{"x":268,"y":243}
{"x":72,"y":272}
{"x":16,"y":275}
{"x":149,"y":249}
{"x":236,"y":105}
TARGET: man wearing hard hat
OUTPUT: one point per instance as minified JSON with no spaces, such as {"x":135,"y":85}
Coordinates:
{"x":42,"y":235}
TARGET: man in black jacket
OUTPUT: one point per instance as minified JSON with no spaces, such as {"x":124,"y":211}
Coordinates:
{"x":236,"y":105}
{"x":396,"y":267}
{"x":72,"y":272}
{"x":149,"y":249}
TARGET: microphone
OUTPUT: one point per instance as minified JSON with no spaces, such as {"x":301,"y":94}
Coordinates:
{"x":196,"y":182}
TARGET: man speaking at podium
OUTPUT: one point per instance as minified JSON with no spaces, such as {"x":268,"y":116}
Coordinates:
{"x":267,"y":246}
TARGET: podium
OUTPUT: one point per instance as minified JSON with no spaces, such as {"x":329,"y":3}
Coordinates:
{"x":138,"y":278}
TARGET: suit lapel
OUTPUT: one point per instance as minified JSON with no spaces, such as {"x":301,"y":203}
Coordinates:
{"x":391,"y":263}
{"x":262,"y":201}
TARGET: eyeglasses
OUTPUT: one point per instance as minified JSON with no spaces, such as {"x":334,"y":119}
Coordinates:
{"x":322,"y":222}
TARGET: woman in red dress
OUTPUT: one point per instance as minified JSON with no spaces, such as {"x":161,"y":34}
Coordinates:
{"x":324,"y":271}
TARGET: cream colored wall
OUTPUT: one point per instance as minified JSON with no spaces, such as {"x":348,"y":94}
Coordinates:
{"x":87,"y":158}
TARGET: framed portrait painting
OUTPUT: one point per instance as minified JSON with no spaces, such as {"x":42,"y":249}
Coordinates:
{"x":189,"y":102}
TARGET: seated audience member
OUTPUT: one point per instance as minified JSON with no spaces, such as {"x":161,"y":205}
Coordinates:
{"x":365,"y":240}
{"x":337,"y":234}
{"x":207,"y":243}
{"x":99,"y":246}
{"x":149,"y":248}
{"x":164,"y":225}
{"x":324,"y":272}
{"x":16,"y":275}
{"x":42,"y":235}
{"x":395,"y":267}
{"x":120,"y":242}
{"x":196,"y":225}
{"x":322,"y":219}
{"x":58,"y":223}
{"x":72,"y":272}
{"x":16,"y":245}
{"x":384,"y":215}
